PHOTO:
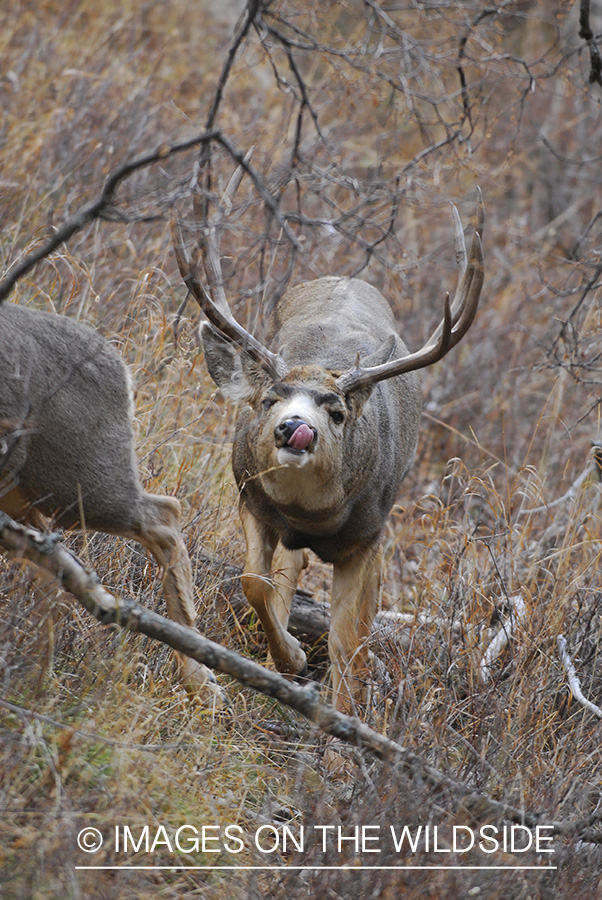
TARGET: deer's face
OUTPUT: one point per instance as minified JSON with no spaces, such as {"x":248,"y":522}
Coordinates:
{"x":298,"y":427}
{"x":297,"y":430}
{"x":300,"y":415}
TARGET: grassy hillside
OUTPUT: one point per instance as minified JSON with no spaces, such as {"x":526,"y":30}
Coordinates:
{"x":366,"y":120}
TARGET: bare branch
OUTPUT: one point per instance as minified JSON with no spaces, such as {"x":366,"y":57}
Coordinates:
{"x":252,"y":11}
{"x":100,"y":208}
{"x":585,"y":32}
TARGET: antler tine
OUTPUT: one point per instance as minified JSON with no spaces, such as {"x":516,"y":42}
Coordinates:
{"x":237,"y":177}
{"x":469,"y":291}
{"x":222,"y":319}
{"x":210,"y":239}
{"x":209,"y":244}
{"x":458,"y":304}
{"x":216,"y":307}
{"x":460,"y":244}
{"x":470,"y":280}
{"x":457,"y":316}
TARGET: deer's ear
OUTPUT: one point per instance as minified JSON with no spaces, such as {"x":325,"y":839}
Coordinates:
{"x":234,"y":372}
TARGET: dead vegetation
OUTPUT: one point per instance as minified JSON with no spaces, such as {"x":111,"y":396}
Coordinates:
{"x":339,"y":101}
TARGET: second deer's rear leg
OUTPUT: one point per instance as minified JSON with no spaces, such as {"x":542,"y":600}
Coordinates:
{"x":269,"y":582}
{"x":159,"y":532}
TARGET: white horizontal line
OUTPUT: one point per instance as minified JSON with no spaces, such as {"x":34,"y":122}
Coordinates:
{"x":319,"y":868}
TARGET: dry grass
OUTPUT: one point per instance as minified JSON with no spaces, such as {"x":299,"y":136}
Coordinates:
{"x":105,"y":737}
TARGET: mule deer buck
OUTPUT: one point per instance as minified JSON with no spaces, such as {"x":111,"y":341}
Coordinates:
{"x":67,"y":450}
{"x":327,"y":432}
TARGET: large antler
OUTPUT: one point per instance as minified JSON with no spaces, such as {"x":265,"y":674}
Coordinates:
{"x":457,"y":317}
{"x":216,"y":307}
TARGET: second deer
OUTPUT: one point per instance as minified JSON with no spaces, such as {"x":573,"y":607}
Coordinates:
{"x":67,"y":451}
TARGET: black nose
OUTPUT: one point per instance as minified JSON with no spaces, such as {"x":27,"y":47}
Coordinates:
{"x":285,"y":434}
{"x":286,"y":429}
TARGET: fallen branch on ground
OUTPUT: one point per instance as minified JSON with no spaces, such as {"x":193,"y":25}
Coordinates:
{"x":47,"y":551}
{"x":591,"y":474}
{"x":309,"y":620}
{"x":573,"y":679}
{"x":502,"y":638}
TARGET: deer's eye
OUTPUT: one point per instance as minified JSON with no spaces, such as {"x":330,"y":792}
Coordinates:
{"x":267,"y":403}
{"x":337,"y":416}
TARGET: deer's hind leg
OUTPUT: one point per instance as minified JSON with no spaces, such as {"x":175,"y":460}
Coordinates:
{"x":159,"y":532}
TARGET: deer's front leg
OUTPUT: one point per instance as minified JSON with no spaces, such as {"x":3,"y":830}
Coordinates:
{"x":269,"y":582}
{"x":355,"y":590}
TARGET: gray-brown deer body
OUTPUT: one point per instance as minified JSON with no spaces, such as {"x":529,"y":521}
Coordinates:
{"x":67,"y":448}
{"x":333,"y":495}
{"x":326,"y":434}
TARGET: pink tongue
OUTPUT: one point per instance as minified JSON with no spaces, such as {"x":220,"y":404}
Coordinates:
{"x":301,"y":438}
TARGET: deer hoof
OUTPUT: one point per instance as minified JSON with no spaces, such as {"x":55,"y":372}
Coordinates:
{"x":202,"y":683}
